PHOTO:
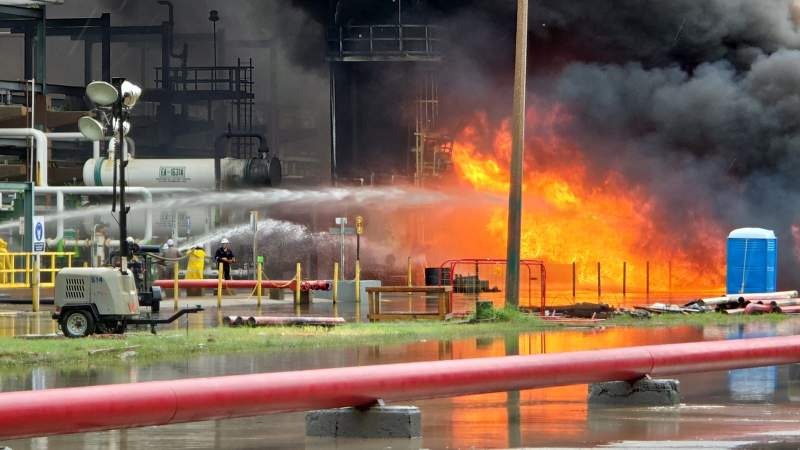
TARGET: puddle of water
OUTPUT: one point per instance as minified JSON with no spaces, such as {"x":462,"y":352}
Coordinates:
{"x":719,"y":407}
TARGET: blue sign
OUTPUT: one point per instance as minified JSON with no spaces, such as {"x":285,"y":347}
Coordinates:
{"x":39,"y":244}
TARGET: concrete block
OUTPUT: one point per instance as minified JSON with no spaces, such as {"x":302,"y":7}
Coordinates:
{"x":644,"y":392}
{"x":375,"y":422}
{"x":324,"y":443}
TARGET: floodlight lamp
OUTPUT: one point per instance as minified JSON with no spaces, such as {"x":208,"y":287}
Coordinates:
{"x":91,"y":128}
{"x":130,"y":93}
{"x":101,"y":93}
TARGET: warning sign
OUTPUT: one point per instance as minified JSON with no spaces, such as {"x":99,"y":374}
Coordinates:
{"x":39,"y":244}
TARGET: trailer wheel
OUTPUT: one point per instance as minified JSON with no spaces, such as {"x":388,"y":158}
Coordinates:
{"x":77,"y":323}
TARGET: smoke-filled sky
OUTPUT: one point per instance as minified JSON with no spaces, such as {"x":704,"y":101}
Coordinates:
{"x":696,"y":101}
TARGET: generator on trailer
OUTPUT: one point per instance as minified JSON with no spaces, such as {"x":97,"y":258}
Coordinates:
{"x":101,"y":300}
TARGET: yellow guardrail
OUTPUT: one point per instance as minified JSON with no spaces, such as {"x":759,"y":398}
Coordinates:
{"x":16,"y":269}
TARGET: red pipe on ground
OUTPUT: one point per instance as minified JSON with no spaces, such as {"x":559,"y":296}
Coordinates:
{"x":263,"y":321}
{"x":755,"y":308}
{"x":95,"y":408}
{"x":307,"y":285}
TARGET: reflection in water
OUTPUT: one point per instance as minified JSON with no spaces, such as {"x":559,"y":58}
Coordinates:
{"x":756,"y":384}
{"x":545,"y":417}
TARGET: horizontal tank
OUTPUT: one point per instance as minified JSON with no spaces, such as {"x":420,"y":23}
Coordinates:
{"x":186,"y":173}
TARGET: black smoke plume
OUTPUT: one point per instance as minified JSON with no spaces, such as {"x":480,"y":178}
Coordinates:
{"x":696,"y":101}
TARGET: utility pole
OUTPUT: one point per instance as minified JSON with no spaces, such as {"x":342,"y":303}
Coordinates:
{"x":517,"y":153}
{"x":213,"y":17}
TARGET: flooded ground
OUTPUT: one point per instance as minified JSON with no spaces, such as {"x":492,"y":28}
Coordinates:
{"x":720,"y":409}
{"x":15,"y":318}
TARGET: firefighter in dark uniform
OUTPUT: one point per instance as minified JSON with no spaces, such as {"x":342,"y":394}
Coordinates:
{"x":225,"y":256}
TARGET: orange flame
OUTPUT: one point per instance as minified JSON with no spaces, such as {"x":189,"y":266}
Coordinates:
{"x":574,"y":214}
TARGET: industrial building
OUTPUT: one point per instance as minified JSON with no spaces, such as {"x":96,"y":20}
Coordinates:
{"x":239,"y":95}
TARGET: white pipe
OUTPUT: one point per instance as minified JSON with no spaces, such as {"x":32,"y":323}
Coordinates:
{"x":40,"y":140}
{"x":70,"y":136}
{"x":59,"y":211}
{"x":77,"y":136}
{"x":102,"y":190}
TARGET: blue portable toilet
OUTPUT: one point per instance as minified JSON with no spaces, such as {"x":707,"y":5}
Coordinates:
{"x":752,"y":261}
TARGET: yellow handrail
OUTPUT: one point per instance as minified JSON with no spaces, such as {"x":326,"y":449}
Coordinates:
{"x":9,"y":263}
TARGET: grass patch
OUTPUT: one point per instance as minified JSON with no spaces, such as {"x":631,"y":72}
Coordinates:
{"x":172,"y":344}
{"x":142,"y":347}
{"x":486,"y":312}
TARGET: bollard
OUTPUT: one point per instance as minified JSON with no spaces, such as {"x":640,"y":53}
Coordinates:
{"x":219,"y":286}
{"x":409,"y":272}
{"x":258,"y":283}
{"x":176,"y":293}
{"x":335,"y":295}
{"x":358,"y":282}
{"x":35,"y":285}
{"x":298,"y":280}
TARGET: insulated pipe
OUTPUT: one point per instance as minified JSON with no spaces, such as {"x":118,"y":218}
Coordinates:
{"x":306,"y":285}
{"x":147,"y":194}
{"x":59,"y":211}
{"x":95,"y":408}
{"x":40,"y":139}
{"x":764,"y":296}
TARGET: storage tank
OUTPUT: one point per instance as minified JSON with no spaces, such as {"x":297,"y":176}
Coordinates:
{"x":752,"y":259}
{"x":187,"y":173}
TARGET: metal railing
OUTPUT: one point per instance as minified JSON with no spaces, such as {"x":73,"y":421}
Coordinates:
{"x":441,"y":294}
{"x":373,"y":40}
{"x":235,"y":79}
{"x":16,"y":269}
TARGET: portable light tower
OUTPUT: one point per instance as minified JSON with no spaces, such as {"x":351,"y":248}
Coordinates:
{"x":113,"y":103}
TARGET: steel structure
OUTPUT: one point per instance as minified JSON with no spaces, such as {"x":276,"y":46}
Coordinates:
{"x":528,"y":263}
{"x":95,"y":408}
{"x":351,"y":45}
{"x":204,"y":84}
{"x":176,"y":84}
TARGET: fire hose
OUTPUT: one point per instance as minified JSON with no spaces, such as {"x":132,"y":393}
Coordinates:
{"x":306,"y":285}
